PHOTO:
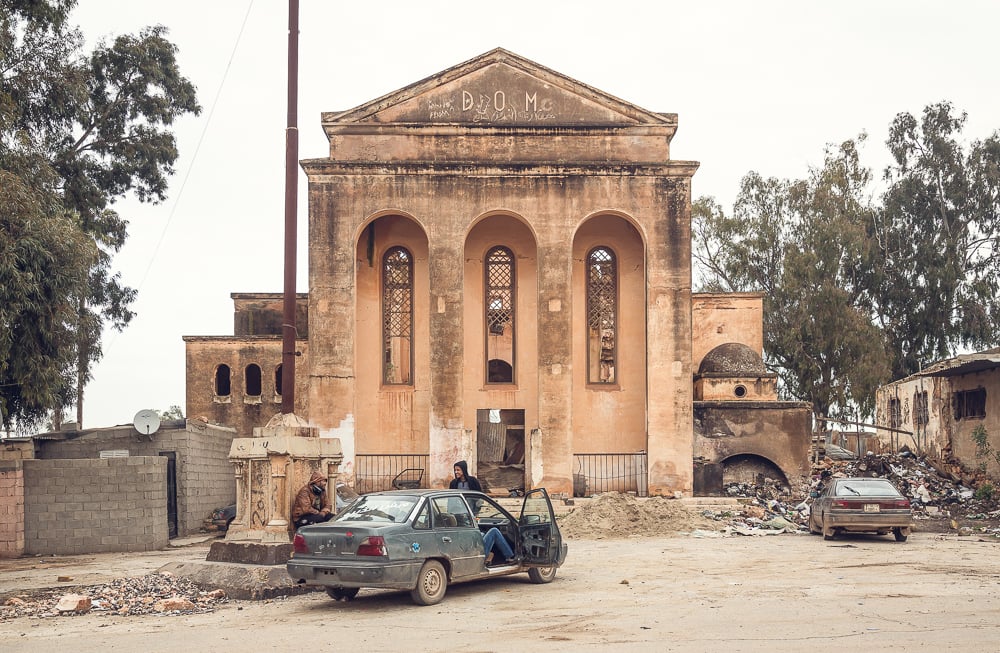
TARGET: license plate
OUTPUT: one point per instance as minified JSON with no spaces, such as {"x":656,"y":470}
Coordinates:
{"x":871,"y":507}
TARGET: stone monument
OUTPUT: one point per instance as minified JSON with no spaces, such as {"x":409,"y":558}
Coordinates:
{"x":270,"y":468}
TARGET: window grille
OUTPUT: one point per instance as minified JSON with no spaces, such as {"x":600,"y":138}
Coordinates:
{"x":499,"y":306}
{"x":602,"y":316}
{"x":397,"y":317}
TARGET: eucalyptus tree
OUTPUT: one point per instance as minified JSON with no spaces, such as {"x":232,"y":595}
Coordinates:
{"x":803,"y":244}
{"x":939,"y":240}
{"x":99,"y":125}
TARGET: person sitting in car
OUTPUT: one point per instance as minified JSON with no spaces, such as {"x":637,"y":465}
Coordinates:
{"x":494,"y":539}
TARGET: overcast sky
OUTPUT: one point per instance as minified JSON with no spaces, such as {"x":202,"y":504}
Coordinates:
{"x":757,"y":85}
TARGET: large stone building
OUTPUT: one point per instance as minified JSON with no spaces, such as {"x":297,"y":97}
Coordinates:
{"x":500,"y":272}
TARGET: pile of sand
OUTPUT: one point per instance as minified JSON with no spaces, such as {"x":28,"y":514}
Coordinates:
{"x":614,"y":515}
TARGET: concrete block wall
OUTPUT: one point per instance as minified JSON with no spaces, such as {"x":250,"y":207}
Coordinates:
{"x":11,"y":509}
{"x":74,"y":506}
{"x":205,"y":478}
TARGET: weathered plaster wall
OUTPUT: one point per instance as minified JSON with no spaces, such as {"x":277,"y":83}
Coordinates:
{"x":934,"y":437}
{"x":239,"y":410}
{"x":778,"y":431}
{"x":719,"y":318}
{"x":611,"y":418}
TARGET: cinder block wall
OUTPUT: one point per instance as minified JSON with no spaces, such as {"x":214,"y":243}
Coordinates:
{"x":76,"y":506}
{"x":205,"y":477}
{"x":11,"y":509}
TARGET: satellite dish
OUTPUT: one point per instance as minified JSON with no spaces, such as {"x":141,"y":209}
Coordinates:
{"x":146,"y":422}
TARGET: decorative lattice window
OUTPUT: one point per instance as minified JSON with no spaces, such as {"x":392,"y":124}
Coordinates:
{"x":602,"y":316}
{"x":397,"y":317}
{"x":499,"y":305}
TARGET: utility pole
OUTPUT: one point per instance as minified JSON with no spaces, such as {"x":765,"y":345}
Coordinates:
{"x":288,"y":330}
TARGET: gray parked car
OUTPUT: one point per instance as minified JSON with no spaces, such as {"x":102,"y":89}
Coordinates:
{"x":857,"y":505}
{"x":422,"y":540}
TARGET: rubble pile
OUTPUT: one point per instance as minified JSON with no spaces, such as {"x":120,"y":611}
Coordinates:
{"x":943,"y":495}
{"x":160,"y":593}
{"x":937,"y":490}
{"x":944,"y":498}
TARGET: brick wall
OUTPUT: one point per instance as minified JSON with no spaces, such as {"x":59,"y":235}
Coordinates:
{"x":11,"y":509}
{"x":77,"y":506}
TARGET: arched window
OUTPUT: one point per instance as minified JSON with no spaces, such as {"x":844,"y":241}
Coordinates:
{"x":397,"y":317}
{"x":499,"y":306}
{"x":602,"y":316}
{"x":277,"y":380}
{"x":252,"y":378}
{"x":222,"y":381}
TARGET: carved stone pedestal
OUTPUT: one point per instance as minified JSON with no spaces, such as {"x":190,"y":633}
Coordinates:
{"x":271,"y":467}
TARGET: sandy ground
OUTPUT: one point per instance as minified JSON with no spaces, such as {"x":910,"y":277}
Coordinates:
{"x":676,"y":593}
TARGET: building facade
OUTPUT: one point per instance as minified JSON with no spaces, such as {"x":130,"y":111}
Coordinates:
{"x":499,"y":272}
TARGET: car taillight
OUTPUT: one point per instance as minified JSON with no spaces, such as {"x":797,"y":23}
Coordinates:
{"x":373,"y":545}
{"x":901,"y":503}
{"x":299,"y":544}
{"x":843,"y":503}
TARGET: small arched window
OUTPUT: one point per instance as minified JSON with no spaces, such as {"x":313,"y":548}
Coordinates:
{"x":602,"y":316}
{"x":252,"y":378}
{"x":277,"y":380}
{"x":397,"y":317}
{"x":499,"y":295}
{"x":222,"y":381}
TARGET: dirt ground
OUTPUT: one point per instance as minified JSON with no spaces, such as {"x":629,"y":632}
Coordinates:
{"x":646,"y":576}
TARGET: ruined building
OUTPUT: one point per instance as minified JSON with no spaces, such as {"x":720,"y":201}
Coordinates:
{"x":499,"y":272}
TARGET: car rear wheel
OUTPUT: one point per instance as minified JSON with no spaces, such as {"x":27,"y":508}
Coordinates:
{"x":431,"y":584}
{"x":542,"y":574}
{"x":813,"y":528}
{"x":899,"y":534}
{"x":342,"y":593}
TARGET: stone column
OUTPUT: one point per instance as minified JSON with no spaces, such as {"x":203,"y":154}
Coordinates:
{"x":554,"y":459}
{"x":668,"y":343}
{"x":448,"y":438}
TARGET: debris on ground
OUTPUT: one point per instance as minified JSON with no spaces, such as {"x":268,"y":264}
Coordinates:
{"x":160,"y":593}
{"x":944,"y":497}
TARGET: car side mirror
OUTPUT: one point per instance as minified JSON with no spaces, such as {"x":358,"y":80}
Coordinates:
{"x":814,"y":494}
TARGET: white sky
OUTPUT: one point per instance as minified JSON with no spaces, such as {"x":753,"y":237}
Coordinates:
{"x":757,"y":85}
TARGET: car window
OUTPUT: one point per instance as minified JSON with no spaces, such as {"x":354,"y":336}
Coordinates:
{"x":451,"y":511}
{"x":423,"y":519}
{"x":536,"y":510}
{"x":866,"y":488}
{"x":380,"y":508}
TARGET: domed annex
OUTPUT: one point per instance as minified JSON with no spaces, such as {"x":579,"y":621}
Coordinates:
{"x":732,"y":359}
{"x":733,"y":371}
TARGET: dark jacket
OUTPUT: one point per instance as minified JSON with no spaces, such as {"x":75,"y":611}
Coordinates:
{"x":472,"y":480}
{"x":309,"y":501}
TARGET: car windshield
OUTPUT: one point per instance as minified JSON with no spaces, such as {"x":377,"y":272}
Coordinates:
{"x":381,"y":508}
{"x":866,"y":488}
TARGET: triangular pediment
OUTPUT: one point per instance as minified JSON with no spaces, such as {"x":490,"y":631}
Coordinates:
{"x":499,"y":88}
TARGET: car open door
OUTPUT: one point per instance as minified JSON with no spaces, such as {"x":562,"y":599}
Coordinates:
{"x":540,"y":538}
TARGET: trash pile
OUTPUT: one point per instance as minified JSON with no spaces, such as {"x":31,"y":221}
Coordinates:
{"x":161,"y":593}
{"x":943,"y":495}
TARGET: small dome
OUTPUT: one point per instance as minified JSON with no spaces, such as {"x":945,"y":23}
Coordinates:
{"x":732,"y":359}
